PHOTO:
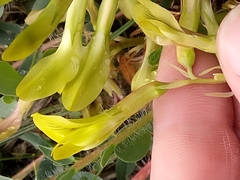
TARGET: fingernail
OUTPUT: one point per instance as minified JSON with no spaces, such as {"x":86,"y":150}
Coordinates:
{"x":232,"y":16}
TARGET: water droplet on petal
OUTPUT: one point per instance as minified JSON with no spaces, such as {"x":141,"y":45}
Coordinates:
{"x":146,"y":80}
{"x":41,"y":80}
{"x":158,"y":40}
{"x":23,"y":72}
{"x":153,"y":73}
{"x":107,"y":62}
{"x":100,"y":71}
{"x":39,"y":88}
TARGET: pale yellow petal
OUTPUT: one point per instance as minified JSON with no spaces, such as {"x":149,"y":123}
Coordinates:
{"x":61,"y":152}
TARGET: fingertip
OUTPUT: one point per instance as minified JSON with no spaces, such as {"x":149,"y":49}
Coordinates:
{"x":228,"y":45}
{"x":233,"y":80}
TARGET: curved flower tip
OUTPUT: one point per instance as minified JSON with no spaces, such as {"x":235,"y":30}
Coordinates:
{"x":65,"y":151}
{"x":12,"y":123}
{"x":76,"y":135}
{"x":51,"y":73}
{"x":33,"y":36}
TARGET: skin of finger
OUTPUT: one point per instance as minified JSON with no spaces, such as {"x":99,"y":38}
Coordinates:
{"x":193,"y":133}
{"x":228,"y":45}
{"x":237,"y":117}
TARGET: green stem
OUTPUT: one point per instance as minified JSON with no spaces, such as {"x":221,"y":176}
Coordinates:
{"x":145,"y":94}
{"x":122,"y":29}
{"x":20,"y":157}
{"x":181,"y":83}
{"x":137,"y":100}
{"x":116,"y":48}
{"x":190,"y":18}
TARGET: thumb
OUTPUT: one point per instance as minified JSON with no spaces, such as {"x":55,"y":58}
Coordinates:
{"x":228,"y":45}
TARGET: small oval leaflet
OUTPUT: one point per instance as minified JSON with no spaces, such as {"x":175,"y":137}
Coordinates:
{"x":135,"y":147}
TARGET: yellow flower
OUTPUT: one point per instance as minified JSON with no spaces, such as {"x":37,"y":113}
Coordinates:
{"x":52,"y":73}
{"x":161,"y":26}
{"x":32,"y":37}
{"x":95,"y":65}
{"x":74,"y":135}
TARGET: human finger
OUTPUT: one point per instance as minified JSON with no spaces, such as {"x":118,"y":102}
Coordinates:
{"x":228,"y":45}
{"x":193,"y":133}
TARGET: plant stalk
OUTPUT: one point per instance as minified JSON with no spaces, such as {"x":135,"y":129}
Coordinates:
{"x":190,"y":18}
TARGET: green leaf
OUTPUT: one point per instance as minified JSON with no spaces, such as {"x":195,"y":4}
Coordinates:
{"x":6,"y":109}
{"x":11,"y":28}
{"x":29,"y":62}
{"x":27,"y":7}
{"x":154,"y":57}
{"x":96,"y":166}
{"x":35,"y":140}
{"x":47,"y":169}
{"x":123,"y":169}
{"x":105,"y":157}
{"x":9,"y":79}
{"x":48,"y":151}
{"x":48,"y":52}
{"x":40,"y":4}
{"x":135,"y":147}
{"x":220,"y":16}
{"x":85,"y":176}
{"x":166,"y":3}
{"x":106,"y":154}
{"x":8,"y":99}
{"x":66,"y":175}
{"x":75,"y":115}
{"x":4,"y":178}
{"x":1,"y":10}
{"x":8,"y":32}
{"x":122,"y":29}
